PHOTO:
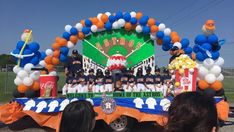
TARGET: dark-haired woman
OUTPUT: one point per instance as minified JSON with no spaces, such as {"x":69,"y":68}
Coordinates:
{"x":192,"y":112}
{"x":78,"y":116}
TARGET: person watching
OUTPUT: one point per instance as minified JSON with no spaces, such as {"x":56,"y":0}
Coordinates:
{"x":74,"y":63}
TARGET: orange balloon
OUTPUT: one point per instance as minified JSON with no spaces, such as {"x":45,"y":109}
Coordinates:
{"x":173,"y":33}
{"x":57,"y":39}
{"x":22,"y":88}
{"x":128,"y":26}
{"x":217,"y":85}
{"x":48,"y":60}
{"x":82,"y":22}
{"x":63,"y":42}
{"x":56,"y":53}
{"x":202,"y":84}
{"x":159,"y":41}
{"x":139,"y":15}
{"x":81,"y":35}
{"x":55,"y":61}
{"x":73,"y":39}
{"x":153,"y":29}
{"x":95,"y":20}
{"x":55,"y":46}
{"x":49,"y":67}
{"x":100,"y":25}
{"x":104,"y":18}
{"x":43,"y":72}
{"x":35,"y":86}
{"x":175,"y":39}
{"x":151,"y":22}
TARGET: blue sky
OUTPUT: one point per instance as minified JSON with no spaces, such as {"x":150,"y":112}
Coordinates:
{"x":48,"y":18}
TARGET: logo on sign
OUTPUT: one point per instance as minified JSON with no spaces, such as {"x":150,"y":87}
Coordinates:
{"x":108,"y":105}
{"x":185,"y":81}
{"x":48,"y":84}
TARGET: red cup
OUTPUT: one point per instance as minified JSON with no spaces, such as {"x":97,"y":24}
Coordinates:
{"x":48,"y":81}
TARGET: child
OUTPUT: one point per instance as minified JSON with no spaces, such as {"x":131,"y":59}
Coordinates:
{"x":131,"y":86}
{"x":91,"y":81}
{"x":149,"y":80}
{"x":140,"y":80}
{"x":71,"y":87}
{"x":108,"y":81}
{"x":99,"y":87}
{"x":81,"y":81}
{"x":69,"y":80}
{"x":124,"y":79}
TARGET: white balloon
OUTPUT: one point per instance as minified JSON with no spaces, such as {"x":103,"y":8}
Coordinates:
{"x":16,"y":69}
{"x":121,"y":22}
{"x":133,"y":14}
{"x":18,"y":81}
{"x":216,"y":70}
{"x":94,"y":28}
{"x":115,"y":25}
{"x":208,"y":63}
{"x":202,"y":72}
{"x":79,"y":26}
{"x":172,"y":76}
{"x":68,"y":28}
{"x":28,"y":67}
{"x":27,"y":81}
{"x":191,"y":70}
{"x":53,"y":73}
{"x":108,"y":14}
{"x":167,"y":31}
{"x":210,"y":78}
{"x":161,"y":27}
{"x":42,"y":63}
{"x":49,"y":52}
{"x":35,"y":75}
{"x":138,"y":29}
{"x":153,"y":37}
{"x":219,"y":61}
{"x":220,"y":77}
{"x":99,"y":16}
{"x":70,"y":45}
{"x":177,"y":44}
{"x":22,"y":74}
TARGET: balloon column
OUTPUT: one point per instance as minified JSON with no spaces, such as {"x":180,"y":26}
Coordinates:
{"x":207,"y":48}
{"x":27,"y":56}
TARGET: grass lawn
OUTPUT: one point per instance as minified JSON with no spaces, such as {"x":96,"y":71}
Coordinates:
{"x":8,"y":80}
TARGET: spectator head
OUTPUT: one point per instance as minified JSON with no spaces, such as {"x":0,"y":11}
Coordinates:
{"x":192,"y":112}
{"x":99,"y":73}
{"x":91,"y":72}
{"x":148,"y":70}
{"x":139,"y":71}
{"x":81,"y":72}
{"x":78,"y":116}
{"x":74,"y":52}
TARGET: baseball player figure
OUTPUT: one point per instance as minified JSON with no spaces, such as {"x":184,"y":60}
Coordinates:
{"x":91,"y":81}
{"x":82,"y":81}
{"x":131,"y":86}
{"x":149,"y":80}
{"x":108,"y":81}
{"x":99,"y":87}
{"x":158,"y":80}
{"x":124,"y":79}
{"x":68,"y":84}
{"x":73,"y":84}
{"x":140,"y":84}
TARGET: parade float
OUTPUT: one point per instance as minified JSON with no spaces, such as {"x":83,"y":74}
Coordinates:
{"x":114,"y":41}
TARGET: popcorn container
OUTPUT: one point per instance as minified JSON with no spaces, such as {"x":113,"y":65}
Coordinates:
{"x":48,"y":86}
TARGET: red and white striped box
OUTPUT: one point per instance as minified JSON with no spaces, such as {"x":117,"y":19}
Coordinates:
{"x":187,"y":80}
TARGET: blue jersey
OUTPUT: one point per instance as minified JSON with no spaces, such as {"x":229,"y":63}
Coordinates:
{"x":108,"y":80}
{"x":81,"y":79}
{"x":140,"y":79}
{"x":91,"y":78}
{"x":124,"y":79}
{"x":131,"y":79}
{"x":158,"y":79}
{"x":149,"y":79}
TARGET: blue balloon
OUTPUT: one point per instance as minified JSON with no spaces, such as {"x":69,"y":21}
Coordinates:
{"x":64,"y":50}
{"x":196,"y":48}
{"x":188,"y":50}
{"x":66,"y":35}
{"x":206,"y":46}
{"x":19,"y":45}
{"x":184,"y":42}
{"x":160,"y":34}
{"x":62,"y":58}
{"x":38,"y":54}
{"x":146,"y":30}
{"x":165,"y":48}
{"x":43,"y":55}
{"x":213,"y":39}
{"x":88,"y":23}
{"x":35,"y":60}
{"x":118,"y":15}
{"x":27,"y":51}
{"x":127,"y":17}
{"x":166,"y":39}
{"x":200,"y":39}
{"x":133,"y":21}
{"x":111,"y":19}
{"x":215,"y":55}
{"x":86,"y":30}
{"x":143,"y":20}
{"x":200,"y":56}
{"x":73,"y":31}
{"x":216,"y":48}
{"x":157,"y":23}
{"x":34,"y":46}
{"x":108,"y":26}
{"x":16,"y":51}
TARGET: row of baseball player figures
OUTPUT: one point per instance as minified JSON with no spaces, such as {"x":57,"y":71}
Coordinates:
{"x":127,"y":81}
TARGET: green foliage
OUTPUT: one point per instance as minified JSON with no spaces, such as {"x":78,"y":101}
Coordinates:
{"x":6,"y":59}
